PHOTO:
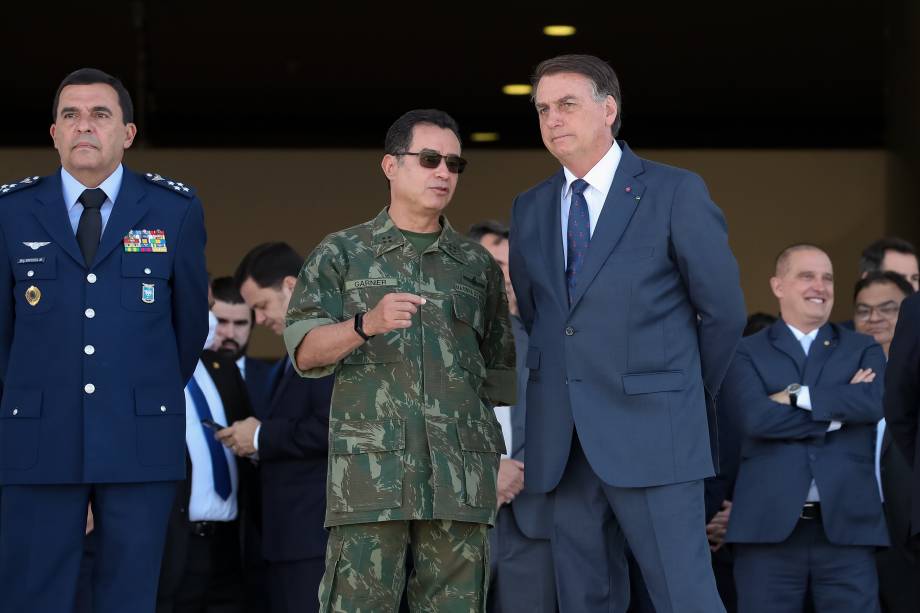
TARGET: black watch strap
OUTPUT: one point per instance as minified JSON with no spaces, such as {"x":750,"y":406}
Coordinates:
{"x":359,"y":325}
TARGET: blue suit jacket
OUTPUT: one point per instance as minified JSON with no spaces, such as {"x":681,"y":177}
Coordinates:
{"x":902,"y":396}
{"x":532,"y":510}
{"x":785,"y":447}
{"x":131,"y":428}
{"x":649,"y":333}
{"x":293,"y":450}
{"x":259,"y":384}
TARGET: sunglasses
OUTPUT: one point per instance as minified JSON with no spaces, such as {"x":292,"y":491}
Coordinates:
{"x":432,"y":159}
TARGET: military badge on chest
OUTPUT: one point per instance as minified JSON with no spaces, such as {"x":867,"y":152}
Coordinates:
{"x":147,"y":293}
{"x":145,"y":241}
{"x":33,"y":295}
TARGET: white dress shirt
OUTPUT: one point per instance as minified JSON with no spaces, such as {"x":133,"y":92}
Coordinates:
{"x":503,"y":414}
{"x":73,"y":189}
{"x":241,"y":366}
{"x":803,"y":398}
{"x":599,"y":180}
{"x":879,"y":436}
{"x":205,"y":504}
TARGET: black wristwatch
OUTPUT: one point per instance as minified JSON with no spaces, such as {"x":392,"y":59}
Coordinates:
{"x":359,"y":325}
{"x":793,"y":390}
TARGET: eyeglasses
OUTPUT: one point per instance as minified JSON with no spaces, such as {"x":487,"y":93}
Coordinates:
{"x":888,"y":310}
{"x":429,"y":158}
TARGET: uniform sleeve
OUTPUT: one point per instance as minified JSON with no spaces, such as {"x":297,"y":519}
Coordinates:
{"x":190,"y":290}
{"x":316,"y":301}
{"x":497,"y":346}
{"x":7,"y":311}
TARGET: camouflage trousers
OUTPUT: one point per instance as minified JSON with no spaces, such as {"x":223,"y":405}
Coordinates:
{"x":366,"y":567}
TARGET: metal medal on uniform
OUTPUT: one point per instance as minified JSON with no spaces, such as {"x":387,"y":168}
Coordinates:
{"x":147,"y":295}
{"x":33,"y":295}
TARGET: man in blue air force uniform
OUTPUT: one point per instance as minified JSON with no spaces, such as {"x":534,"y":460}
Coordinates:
{"x":103,"y":312}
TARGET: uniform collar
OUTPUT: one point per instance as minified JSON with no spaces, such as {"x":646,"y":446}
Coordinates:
{"x":386,"y":236}
{"x":72,"y":189}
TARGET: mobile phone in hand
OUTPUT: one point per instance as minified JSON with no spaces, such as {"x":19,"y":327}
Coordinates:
{"x":213,"y":425}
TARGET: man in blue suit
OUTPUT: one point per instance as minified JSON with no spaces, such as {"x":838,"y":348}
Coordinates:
{"x":291,"y":439}
{"x":522,"y":561}
{"x":630,"y":294}
{"x":103,"y":316}
{"x":806,"y":513}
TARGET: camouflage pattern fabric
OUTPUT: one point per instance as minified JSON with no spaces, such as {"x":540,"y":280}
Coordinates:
{"x":366,"y":564}
{"x":412,"y":434}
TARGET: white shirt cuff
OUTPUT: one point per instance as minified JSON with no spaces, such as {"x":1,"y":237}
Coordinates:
{"x":803,"y":399}
{"x":255,"y":437}
{"x":835,"y":425}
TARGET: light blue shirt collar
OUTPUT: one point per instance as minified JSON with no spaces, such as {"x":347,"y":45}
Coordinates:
{"x":72,"y":189}
{"x":804,"y":339}
{"x":600,"y":177}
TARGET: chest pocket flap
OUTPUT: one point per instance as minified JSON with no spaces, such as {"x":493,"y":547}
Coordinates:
{"x":155,"y":265}
{"x":33,"y":266}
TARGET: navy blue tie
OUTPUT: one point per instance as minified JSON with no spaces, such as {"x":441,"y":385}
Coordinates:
{"x":578,"y":234}
{"x":219,"y":465}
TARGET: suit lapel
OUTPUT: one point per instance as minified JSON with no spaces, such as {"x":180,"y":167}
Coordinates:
{"x":781,"y":337}
{"x":128,"y":210}
{"x":52,"y":215}
{"x":820,"y":350}
{"x":280,"y":381}
{"x":551,"y":236}
{"x":619,"y":207}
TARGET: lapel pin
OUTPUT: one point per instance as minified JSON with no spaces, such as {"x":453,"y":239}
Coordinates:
{"x":628,"y":189}
{"x":827,"y":343}
{"x":215,"y":365}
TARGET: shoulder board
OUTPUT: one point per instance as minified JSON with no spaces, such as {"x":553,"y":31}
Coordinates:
{"x":8,"y":188}
{"x":170,"y":184}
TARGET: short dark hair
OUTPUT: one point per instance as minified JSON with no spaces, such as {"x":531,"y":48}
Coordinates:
{"x":399,"y":136}
{"x":603,"y":79}
{"x":757,"y":322}
{"x":873,"y":255}
{"x":782,"y":259}
{"x":489,"y":226}
{"x":268,"y":264}
{"x":226,"y":290}
{"x":89,"y":76}
{"x":886,"y":276}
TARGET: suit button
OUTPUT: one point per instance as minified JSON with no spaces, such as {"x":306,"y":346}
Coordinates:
{"x":569,"y":331}
{"x":91,"y":277}
{"x":90,"y":313}
{"x":31,"y":273}
{"x":162,"y":408}
{"x":89,"y":388}
{"x":15,"y":411}
{"x":146,"y":271}
{"x":811,"y":456}
{"x":89,"y":350}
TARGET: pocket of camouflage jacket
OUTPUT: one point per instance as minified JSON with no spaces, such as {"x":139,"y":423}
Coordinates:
{"x":481,"y":444}
{"x":366,"y":464}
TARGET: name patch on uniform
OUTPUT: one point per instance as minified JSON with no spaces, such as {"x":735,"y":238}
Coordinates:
{"x":469,"y":291}
{"x":361,"y":283}
{"x":145,"y":241}
{"x":30,"y":260}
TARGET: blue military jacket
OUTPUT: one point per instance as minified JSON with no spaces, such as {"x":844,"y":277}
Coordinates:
{"x":94,"y":359}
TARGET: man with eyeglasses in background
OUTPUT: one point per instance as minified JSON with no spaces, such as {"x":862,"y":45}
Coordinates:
{"x":412,"y":318}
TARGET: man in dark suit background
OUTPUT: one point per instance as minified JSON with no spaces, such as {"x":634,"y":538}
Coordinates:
{"x":902,"y":401}
{"x":234,"y":327}
{"x":291,"y":441}
{"x":877,"y":299}
{"x":202,"y":568}
{"x":101,"y":325}
{"x":630,"y":294}
{"x":521,"y":557}
{"x":806,"y":514}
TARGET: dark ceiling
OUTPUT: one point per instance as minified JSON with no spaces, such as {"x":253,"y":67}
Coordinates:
{"x":267,"y":74}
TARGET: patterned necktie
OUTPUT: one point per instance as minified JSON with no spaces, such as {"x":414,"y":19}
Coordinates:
{"x":219,"y":467}
{"x":89,"y":230}
{"x":578,"y":235}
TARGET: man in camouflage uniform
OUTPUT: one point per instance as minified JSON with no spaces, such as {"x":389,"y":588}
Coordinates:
{"x":413,"y":319}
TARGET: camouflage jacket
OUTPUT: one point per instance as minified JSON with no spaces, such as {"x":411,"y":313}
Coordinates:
{"x":412,"y":433}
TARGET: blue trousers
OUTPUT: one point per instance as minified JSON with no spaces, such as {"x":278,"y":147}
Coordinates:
{"x":41,"y":545}
{"x":664,"y":526}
